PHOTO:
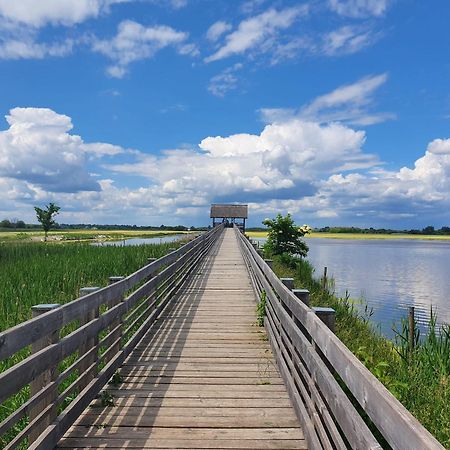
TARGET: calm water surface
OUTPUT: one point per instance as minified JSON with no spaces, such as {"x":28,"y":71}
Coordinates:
{"x":141,"y":241}
{"x":389,"y":275}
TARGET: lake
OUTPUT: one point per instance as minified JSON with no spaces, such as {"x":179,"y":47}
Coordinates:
{"x":389,"y":275}
{"x":142,"y":241}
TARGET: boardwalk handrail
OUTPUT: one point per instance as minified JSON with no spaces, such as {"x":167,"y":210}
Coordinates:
{"x":104,"y":327}
{"x":329,"y":387}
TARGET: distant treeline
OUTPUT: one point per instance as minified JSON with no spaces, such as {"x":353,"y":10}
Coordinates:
{"x":21,"y":225}
{"x":429,"y":230}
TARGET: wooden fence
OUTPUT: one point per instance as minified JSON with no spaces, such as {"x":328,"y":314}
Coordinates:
{"x":333,"y":393}
{"x":92,"y":336}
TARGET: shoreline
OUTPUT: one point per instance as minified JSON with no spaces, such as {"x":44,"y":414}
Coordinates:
{"x":63,"y":236}
{"x":361,"y":237}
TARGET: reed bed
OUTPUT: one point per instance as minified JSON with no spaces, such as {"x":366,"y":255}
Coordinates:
{"x":35,"y":273}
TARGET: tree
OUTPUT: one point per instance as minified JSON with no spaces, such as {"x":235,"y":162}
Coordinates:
{"x":285,"y":237}
{"x":428,"y":230}
{"x":5,"y":223}
{"x":46,"y":217}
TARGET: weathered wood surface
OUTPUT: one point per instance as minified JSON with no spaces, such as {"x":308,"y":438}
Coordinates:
{"x":202,"y":377}
{"x":299,"y":356}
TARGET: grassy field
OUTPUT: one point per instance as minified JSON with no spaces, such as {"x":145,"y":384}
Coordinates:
{"x":359,"y":236}
{"x":81,"y":235}
{"x":35,"y":273}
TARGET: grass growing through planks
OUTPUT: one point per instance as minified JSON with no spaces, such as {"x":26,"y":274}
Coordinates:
{"x":34,"y":273}
{"x":261,"y":309}
{"x":421,"y":380}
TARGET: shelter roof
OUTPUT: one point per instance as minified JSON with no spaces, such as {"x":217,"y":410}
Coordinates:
{"x":229,"y":211}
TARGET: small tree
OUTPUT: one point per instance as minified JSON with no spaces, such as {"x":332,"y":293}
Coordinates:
{"x":46,"y":217}
{"x":285,"y":237}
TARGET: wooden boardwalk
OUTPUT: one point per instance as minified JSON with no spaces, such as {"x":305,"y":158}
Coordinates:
{"x":203,"y":377}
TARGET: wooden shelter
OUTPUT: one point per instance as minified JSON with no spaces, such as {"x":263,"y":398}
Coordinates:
{"x":229,"y":214}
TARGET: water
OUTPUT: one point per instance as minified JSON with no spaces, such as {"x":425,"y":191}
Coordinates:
{"x":389,"y":275}
{"x":142,"y":241}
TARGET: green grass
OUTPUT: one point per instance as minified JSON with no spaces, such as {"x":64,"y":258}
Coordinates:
{"x":45,"y":273}
{"x":34,"y":273}
{"x":421,"y":380}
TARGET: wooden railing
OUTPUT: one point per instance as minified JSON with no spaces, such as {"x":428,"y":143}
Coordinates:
{"x":333,"y":393}
{"x":101,"y":329}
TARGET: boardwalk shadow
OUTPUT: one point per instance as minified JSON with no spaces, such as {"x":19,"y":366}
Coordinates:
{"x":148,"y":372}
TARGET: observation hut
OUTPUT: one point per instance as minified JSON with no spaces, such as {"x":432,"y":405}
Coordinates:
{"x":229,"y":215}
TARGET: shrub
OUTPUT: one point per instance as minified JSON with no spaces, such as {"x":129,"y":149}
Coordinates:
{"x":285,"y":237}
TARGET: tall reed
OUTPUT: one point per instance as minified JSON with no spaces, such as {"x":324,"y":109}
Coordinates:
{"x":34,"y":273}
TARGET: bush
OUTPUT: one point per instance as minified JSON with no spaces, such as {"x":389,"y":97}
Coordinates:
{"x":285,"y":237}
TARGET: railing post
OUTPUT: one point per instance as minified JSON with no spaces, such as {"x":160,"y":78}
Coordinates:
{"x":44,"y":378}
{"x":327,"y":316}
{"x":90,"y":344}
{"x":411,"y":330}
{"x":302,"y":295}
{"x":288,"y":282}
{"x":269,"y":262}
{"x":324,"y":279}
{"x":117,"y":336}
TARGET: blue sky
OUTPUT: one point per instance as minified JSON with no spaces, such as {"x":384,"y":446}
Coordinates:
{"x":146,"y":111}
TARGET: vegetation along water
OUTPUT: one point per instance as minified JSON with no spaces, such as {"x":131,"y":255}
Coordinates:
{"x":35,"y":273}
{"x":419,"y":377}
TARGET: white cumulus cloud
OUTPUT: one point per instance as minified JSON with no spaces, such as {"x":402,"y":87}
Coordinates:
{"x":56,"y":12}
{"x":439,"y":147}
{"x":39,"y":150}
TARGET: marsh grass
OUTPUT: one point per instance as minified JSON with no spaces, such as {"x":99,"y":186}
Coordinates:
{"x":420,"y":381}
{"x":35,"y":273}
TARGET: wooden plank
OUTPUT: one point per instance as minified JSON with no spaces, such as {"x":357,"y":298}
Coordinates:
{"x":202,"y":377}
{"x":232,"y":380}
{"x":234,"y":421}
{"x":182,"y":444}
{"x":188,"y":433}
{"x":55,"y":431}
{"x":94,"y":414}
{"x":141,"y":402}
{"x":135,"y":393}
